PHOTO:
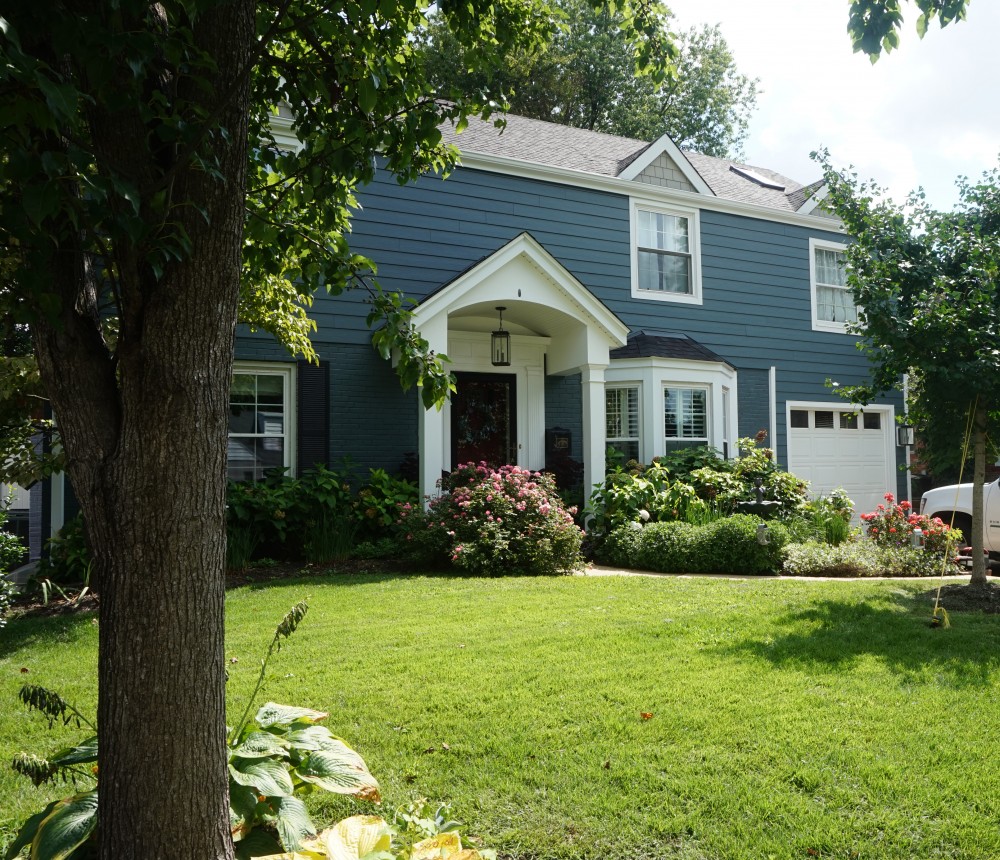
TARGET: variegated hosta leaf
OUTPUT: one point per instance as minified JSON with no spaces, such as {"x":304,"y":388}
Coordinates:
{"x":267,"y":776}
{"x":261,"y":745}
{"x":352,"y":839}
{"x":292,"y":822}
{"x":338,"y":769}
{"x":311,"y":738}
{"x":67,"y":827}
{"x":273,"y":714}
{"x":437,"y":847}
{"x":242,"y":809}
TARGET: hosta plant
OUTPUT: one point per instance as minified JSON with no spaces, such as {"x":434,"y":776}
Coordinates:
{"x":413,"y":834}
{"x":275,"y":758}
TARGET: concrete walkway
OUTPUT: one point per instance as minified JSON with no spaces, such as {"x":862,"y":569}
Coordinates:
{"x":604,"y":570}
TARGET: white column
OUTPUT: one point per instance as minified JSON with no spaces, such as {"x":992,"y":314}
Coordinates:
{"x":431,"y":421}
{"x":594,"y":425}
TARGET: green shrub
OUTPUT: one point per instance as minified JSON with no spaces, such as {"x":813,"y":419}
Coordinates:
{"x":668,"y":547}
{"x":495,"y":522}
{"x":826,"y":519}
{"x":725,"y":545}
{"x":681,"y":463}
{"x":379,"y":502}
{"x":731,"y":545}
{"x":329,"y":538}
{"x":861,"y":559}
{"x":67,"y":558}
{"x":386,"y":547}
{"x":621,"y":547}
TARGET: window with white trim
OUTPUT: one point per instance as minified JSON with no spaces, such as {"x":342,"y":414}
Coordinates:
{"x":260,"y":409}
{"x":685,"y":414}
{"x":622,"y":413}
{"x":665,"y":261}
{"x":833,"y":305}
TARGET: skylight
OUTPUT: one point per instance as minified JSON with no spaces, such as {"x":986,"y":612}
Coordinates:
{"x":754,"y":176}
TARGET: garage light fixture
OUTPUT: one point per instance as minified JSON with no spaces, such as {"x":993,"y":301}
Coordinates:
{"x":904,"y":434}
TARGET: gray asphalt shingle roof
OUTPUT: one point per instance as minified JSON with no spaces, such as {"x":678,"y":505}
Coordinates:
{"x":603,"y":154}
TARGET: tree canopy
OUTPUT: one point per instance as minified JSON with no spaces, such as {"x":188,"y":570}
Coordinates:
{"x":927,"y":285}
{"x":145,"y":203}
{"x":586,"y":76}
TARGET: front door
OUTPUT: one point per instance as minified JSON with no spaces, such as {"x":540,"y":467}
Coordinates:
{"x":484,"y":419}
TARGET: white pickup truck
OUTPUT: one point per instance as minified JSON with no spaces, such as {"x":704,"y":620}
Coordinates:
{"x":942,"y":501}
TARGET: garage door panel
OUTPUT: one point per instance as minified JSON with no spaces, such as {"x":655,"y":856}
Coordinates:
{"x":855,"y":458}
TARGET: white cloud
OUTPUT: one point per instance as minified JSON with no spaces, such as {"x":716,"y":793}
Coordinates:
{"x":922,"y":115}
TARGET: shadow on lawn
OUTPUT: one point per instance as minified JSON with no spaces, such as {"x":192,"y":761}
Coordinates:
{"x":23,"y":634}
{"x":833,"y":635}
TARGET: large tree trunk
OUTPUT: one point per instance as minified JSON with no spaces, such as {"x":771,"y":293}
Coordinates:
{"x":978,"y":502}
{"x":145,"y":435}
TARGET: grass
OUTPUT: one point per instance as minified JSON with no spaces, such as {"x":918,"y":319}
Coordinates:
{"x":789,"y":719}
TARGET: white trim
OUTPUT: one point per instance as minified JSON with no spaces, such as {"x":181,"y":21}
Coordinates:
{"x":665,"y":146}
{"x":667,"y":196}
{"x":288,"y":374}
{"x":814,"y":199}
{"x":694,"y":241}
{"x":772,"y":409}
{"x":818,"y":324}
{"x":907,"y":453}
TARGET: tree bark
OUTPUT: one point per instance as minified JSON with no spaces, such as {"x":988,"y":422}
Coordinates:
{"x":145,"y":434}
{"x":976,"y":539}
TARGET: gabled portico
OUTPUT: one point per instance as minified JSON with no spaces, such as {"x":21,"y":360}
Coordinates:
{"x":557,"y":327}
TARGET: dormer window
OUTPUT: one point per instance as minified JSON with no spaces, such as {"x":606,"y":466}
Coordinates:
{"x":665,"y":254}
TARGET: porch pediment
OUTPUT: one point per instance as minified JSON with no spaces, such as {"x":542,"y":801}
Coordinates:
{"x":541,"y":298}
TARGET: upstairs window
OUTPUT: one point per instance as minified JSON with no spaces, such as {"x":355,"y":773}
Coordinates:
{"x":832,"y":302}
{"x":665,"y":254}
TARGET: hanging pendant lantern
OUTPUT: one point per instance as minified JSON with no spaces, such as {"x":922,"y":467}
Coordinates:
{"x":500,"y":344}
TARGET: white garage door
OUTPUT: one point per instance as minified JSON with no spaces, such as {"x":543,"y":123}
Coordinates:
{"x":832,"y":448}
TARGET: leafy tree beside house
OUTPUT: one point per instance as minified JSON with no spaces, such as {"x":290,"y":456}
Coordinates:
{"x":927,"y":285}
{"x":586,"y":77}
{"x":143,"y":202}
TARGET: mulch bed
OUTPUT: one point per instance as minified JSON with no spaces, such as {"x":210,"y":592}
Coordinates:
{"x":969,"y":598}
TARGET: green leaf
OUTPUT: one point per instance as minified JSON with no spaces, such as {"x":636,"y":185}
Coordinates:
{"x":267,"y":776}
{"x":338,"y":769}
{"x":82,"y":753}
{"x":26,"y":834}
{"x":40,"y":201}
{"x":261,"y":745}
{"x":67,"y":827}
{"x":293,"y":823}
{"x":273,"y":714}
{"x":366,"y":94}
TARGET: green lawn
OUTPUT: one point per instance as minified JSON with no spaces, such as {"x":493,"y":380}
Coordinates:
{"x":790,"y":719}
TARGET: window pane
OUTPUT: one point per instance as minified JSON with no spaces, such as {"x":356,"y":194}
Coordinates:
{"x":270,"y":389}
{"x":831,"y":267}
{"x":622,"y":411}
{"x":244,"y":388}
{"x":685,"y":413}
{"x":835,"y":304}
{"x":824,"y":420}
{"x":873,"y":421}
{"x":669,"y":273}
{"x":848,"y":421}
{"x":663,"y":232}
{"x":800,"y":418}
{"x":257,"y":425}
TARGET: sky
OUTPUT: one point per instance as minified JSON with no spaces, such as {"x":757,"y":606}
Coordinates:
{"x":923,"y":115}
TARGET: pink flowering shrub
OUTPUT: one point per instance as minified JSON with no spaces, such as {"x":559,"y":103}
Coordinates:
{"x":494,"y":522}
{"x":892,"y":523}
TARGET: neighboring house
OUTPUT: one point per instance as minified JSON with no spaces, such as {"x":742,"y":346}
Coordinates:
{"x":654,"y":298}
